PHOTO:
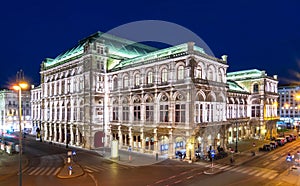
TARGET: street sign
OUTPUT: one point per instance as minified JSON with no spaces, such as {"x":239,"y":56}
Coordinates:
{"x":212,"y":153}
{"x":289,"y":158}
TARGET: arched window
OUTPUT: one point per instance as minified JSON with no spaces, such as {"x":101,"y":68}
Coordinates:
{"x":137,"y":80}
{"x":210,"y":74}
{"x":115,"y":83}
{"x":198,"y":72}
{"x":164,"y":109}
{"x":180,"y":72}
{"x":149,"y":77}
{"x":255,"y":88}
{"x":125,"y":81}
{"x":164,"y":75}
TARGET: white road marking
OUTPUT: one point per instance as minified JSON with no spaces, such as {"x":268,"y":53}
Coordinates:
{"x":93,"y":169}
{"x":57,"y":170}
{"x":51,"y":170}
{"x":35,"y":170}
{"x":43,"y":172}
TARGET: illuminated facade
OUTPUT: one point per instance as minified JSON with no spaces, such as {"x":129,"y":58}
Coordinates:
{"x":9,"y":106}
{"x":289,"y":104}
{"x":259,"y":94}
{"x":154,"y":101}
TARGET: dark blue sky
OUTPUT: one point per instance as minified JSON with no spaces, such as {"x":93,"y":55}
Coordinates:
{"x":253,"y":33}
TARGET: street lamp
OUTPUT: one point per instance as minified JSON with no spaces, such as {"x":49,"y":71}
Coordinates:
{"x":18,"y":87}
{"x":236,"y":138}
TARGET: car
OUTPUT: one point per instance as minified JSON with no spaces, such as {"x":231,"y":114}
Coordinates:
{"x":220,"y":155}
{"x":288,"y":138}
{"x":280,"y":141}
{"x":265,"y":147}
{"x":273,"y":144}
{"x":180,"y":154}
{"x":293,"y":136}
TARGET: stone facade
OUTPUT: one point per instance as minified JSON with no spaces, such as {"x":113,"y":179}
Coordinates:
{"x":152,"y":101}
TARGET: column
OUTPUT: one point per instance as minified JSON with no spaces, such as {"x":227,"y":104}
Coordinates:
{"x":155,"y":141}
{"x":50,"y":132}
{"x":171,"y":144}
{"x":55,"y":133}
{"x":60,"y":133}
{"x":45,"y":131}
{"x":77,"y":136}
{"x":130,"y":138}
{"x":66,"y":132}
{"x":143,"y":141}
{"x":72,"y":134}
{"x":120,"y":137}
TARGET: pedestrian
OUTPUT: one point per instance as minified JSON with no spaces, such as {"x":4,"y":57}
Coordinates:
{"x":253,"y":144}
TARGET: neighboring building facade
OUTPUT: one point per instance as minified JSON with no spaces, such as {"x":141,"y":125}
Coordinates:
{"x":261,"y":103}
{"x":154,"y":101}
{"x":9,"y":111}
{"x":289,"y":104}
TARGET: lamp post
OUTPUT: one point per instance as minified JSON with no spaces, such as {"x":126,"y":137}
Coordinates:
{"x":236,"y":138}
{"x":19,"y":87}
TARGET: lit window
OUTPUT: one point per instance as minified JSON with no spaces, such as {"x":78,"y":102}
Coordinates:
{"x":180,"y":73}
{"x":164,"y":75}
{"x":150,"y":77}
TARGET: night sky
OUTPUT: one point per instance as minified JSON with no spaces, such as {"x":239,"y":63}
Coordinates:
{"x":254,"y":34}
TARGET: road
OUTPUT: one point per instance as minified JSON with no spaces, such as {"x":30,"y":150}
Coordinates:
{"x":46,"y":160}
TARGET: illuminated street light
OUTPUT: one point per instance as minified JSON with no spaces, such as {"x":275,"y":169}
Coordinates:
{"x":18,"y":87}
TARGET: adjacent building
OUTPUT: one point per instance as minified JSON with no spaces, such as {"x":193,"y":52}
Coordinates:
{"x":150,"y":100}
{"x":289,"y":104}
{"x":9,"y":111}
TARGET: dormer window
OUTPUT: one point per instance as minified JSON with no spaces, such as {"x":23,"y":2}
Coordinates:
{"x":255,"y":88}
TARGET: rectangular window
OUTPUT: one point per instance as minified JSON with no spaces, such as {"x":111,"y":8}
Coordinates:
{"x":164,"y":113}
{"x":81,"y":113}
{"x":197,"y":113}
{"x":115,"y":113}
{"x":68,"y":85}
{"x":137,"y":113}
{"x":149,"y":113}
{"x":180,"y":113}
{"x":125,"y":113}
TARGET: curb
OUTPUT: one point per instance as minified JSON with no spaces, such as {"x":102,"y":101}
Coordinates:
{"x":63,"y":173}
{"x":212,"y":171}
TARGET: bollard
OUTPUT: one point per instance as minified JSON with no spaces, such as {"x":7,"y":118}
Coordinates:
{"x":119,"y":158}
{"x":156,"y":156}
{"x":69,"y":160}
{"x":129,"y":157}
{"x":70,"y":170}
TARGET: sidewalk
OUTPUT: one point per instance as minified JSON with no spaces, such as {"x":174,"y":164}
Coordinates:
{"x":131,"y":158}
{"x":9,"y":164}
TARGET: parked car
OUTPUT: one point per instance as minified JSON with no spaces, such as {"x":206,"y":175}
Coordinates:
{"x":180,"y":154}
{"x":273,"y":144}
{"x":281,"y":141}
{"x":293,"y":136}
{"x":288,"y":138}
{"x":220,"y":155}
{"x":265,"y":147}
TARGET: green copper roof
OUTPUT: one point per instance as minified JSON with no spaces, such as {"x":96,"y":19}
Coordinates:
{"x":233,"y":86}
{"x":166,"y":53}
{"x":246,"y":74}
{"x":118,"y":48}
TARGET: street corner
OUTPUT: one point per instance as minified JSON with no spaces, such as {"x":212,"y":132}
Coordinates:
{"x":212,"y":171}
{"x":70,"y":171}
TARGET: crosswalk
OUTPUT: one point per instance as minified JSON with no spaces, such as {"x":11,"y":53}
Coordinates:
{"x":54,"y":170}
{"x":98,"y":168}
{"x":46,"y":171}
{"x":253,"y":171}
